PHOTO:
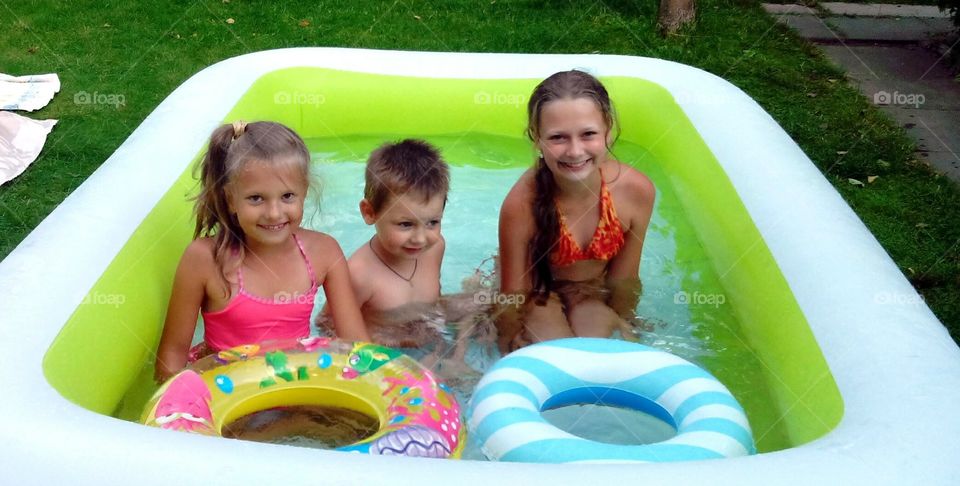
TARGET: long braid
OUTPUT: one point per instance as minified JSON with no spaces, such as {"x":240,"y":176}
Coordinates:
{"x":548,"y":231}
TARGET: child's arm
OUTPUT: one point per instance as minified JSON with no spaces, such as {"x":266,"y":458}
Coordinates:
{"x":341,"y":301}
{"x":189,"y":290}
{"x":516,"y":230}
{"x":624,"y":271}
{"x":441,"y":251}
{"x":362,"y":287}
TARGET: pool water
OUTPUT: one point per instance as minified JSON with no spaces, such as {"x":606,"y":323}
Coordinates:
{"x":307,"y":426}
{"x":683,"y":304}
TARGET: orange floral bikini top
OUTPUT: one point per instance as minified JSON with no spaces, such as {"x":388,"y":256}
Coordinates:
{"x":607,"y":240}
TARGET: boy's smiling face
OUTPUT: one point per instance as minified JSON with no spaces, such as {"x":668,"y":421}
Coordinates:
{"x":407,"y":225}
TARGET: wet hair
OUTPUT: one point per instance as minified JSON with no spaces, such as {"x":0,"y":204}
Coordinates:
{"x":232,"y":148}
{"x":408,"y":166}
{"x":566,"y":85}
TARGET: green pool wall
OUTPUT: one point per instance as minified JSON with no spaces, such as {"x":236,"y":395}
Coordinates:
{"x":770,"y":318}
{"x":107,"y":345}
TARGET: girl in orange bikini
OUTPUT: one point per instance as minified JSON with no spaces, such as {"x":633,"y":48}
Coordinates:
{"x":572,"y":228}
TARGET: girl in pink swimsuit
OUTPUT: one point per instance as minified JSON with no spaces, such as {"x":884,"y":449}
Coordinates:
{"x":252,"y":272}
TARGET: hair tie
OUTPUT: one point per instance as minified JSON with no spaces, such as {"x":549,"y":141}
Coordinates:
{"x":238,"y":128}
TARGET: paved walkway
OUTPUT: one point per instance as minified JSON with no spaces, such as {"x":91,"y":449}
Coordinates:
{"x":880,"y":48}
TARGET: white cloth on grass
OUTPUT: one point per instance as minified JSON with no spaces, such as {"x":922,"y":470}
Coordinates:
{"x":27,"y":93}
{"x":21,"y":140}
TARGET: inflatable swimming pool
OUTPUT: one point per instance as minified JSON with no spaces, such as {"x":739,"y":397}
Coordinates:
{"x":863,"y":376}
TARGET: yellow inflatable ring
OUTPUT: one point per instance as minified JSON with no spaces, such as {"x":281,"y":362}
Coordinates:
{"x":418,"y":415}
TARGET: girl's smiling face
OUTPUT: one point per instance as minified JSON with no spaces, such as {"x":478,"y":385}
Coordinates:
{"x":267,"y":200}
{"x":572,"y":137}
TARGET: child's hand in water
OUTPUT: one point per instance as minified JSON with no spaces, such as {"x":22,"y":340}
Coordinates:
{"x":456,"y":371}
{"x":520,"y":340}
{"x":509,"y":322}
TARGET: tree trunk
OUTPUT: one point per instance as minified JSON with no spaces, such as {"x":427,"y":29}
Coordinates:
{"x":675,"y":14}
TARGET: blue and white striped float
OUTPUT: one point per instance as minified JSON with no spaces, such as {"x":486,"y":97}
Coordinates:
{"x":505,"y":409}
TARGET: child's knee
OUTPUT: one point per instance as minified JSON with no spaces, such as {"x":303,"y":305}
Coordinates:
{"x":593,"y":318}
{"x":544,"y":323}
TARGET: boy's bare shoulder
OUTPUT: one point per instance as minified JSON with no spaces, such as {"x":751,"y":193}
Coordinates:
{"x":435,"y":253}
{"x":360,"y":260}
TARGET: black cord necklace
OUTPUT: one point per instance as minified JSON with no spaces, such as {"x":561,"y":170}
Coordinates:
{"x":405,"y":279}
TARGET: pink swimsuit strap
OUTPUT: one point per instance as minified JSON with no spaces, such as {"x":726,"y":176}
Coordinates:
{"x":313,"y":278}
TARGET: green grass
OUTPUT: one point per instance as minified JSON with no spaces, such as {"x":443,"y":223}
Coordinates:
{"x":142,"y":51}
